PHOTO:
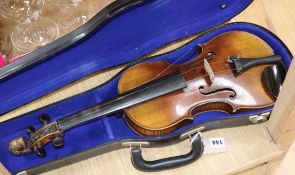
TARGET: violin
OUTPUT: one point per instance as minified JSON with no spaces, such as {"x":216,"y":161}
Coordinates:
{"x":160,"y":97}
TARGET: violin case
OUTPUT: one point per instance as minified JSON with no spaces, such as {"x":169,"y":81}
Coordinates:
{"x":123,"y":32}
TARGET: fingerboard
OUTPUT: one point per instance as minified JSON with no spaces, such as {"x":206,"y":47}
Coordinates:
{"x":148,"y":91}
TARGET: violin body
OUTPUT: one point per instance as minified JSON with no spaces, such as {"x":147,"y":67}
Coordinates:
{"x":226,"y":91}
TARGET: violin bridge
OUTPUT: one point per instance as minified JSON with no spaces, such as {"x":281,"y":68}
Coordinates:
{"x":209,"y":71}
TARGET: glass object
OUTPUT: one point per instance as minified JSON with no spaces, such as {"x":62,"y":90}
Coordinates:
{"x":29,"y":37}
{"x":21,"y":11}
{"x":5,"y":44}
{"x":65,"y":3}
{"x":69,"y":14}
{"x":68,"y":21}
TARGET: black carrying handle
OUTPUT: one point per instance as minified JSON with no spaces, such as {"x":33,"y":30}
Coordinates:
{"x":170,"y":162}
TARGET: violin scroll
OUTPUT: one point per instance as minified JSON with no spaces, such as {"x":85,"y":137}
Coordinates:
{"x":37,"y":139}
{"x":19,"y":146}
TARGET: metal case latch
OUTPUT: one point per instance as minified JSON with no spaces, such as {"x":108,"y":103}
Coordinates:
{"x":22,"y":173}
{"x":259,"y":118}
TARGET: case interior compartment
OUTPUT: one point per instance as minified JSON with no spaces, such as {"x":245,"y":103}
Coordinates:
{"x":130,"y":35}
{"x":112,"y":129}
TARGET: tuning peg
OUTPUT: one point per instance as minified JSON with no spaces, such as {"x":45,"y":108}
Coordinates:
{"x":58,"y":142}
{"x":41,"y":152}
{"x":44,"y":119}
{"x":30,"y":130}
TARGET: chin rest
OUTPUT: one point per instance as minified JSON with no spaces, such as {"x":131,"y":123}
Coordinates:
{"x":273,"y":78}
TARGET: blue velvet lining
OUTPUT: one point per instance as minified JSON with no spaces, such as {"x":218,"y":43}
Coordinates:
{"x":111,"y":128}
{"x":130,"y":35}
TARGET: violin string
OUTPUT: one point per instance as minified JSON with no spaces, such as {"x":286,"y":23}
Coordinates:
{"x":203,"y":76}
{"x":200,"y":77}
{"x":160,"y":107}
{"x":186,"y":72}
{"x":47,"y":128}
{"x":198,"y":62}
{"x":195,"y":63}
{"x":167,"y":68}
{"x":195,"y":68}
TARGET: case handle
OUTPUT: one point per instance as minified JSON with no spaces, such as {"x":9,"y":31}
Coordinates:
{"x":170,"y":162}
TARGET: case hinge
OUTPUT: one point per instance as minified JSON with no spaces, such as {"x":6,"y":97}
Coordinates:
{"x":192,"y":132}
{"x":135,"y":144}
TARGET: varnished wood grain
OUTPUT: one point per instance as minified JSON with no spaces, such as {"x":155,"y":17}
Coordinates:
{"x":281,"y":124}
{"x":231,"y":93}
{"x":3,"y":170}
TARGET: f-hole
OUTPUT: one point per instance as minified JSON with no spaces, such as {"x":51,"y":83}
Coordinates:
{"x":232,"y":96}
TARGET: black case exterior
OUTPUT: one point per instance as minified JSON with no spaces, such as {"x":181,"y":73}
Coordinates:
{"x":59,"y":45}
{"x":154,"y":142}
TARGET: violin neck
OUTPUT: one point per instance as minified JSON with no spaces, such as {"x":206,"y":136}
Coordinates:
{"x":164,"y":85}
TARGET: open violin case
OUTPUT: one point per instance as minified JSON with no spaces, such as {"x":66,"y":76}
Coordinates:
{"x":123,"y":32}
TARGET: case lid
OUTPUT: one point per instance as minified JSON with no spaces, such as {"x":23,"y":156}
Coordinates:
{"x":130,"y":34}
